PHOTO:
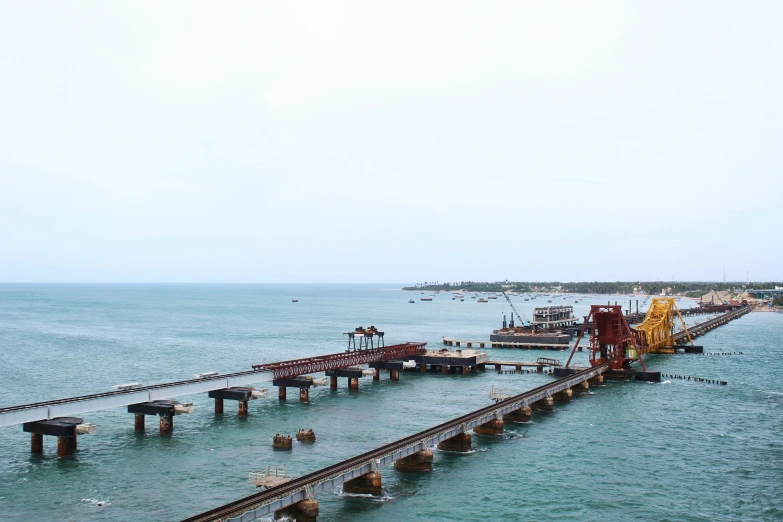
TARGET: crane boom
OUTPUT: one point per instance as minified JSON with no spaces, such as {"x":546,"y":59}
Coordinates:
{"x":522,"y":318}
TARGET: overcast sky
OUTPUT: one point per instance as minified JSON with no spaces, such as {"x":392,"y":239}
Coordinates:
{"x":390,"y":141}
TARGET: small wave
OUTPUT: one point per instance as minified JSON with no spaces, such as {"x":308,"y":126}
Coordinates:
{"x":384,"y":498}
{"x":97,"y":503}
{"x":666,"y":382}
{"x":340,"y":493}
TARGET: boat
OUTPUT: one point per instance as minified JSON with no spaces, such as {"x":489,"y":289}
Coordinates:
{"x":492,"y":297}
{"x":425,"y":299}
{"x":294,"y":300}
{"x":411,"y":301}
{"x":462,"y":299}
{"x":482,"y":301}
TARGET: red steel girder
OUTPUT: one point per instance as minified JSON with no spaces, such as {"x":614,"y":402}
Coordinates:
{"x":321,"y":363}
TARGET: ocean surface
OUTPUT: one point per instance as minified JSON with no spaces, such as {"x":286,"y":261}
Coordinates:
{"x":679,"y":450}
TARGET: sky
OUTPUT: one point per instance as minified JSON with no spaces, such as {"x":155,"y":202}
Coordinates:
{"x":191,"y":141}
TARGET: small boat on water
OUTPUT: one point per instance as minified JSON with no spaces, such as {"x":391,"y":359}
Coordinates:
{"x":425,"y":299}
{"x":482,"y":301}
{"x":294,"y":300}
{"x":492,"y":297}
{"x":411,"y":301}
{"x":462,"y":299}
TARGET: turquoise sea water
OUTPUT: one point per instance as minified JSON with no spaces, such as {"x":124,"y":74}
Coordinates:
{"x":628,"y":451}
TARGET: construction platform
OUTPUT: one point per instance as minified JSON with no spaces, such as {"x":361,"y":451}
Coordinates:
{"x":507,"y":344}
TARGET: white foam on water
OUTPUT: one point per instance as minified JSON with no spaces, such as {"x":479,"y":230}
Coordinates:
{"x":97,"y":503}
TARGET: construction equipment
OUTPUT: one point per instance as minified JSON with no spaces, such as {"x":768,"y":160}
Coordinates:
{"x":655,"y":332}
{"x":611,"y":340}
{"x":719,"y":297}
{"x":524,"y":321}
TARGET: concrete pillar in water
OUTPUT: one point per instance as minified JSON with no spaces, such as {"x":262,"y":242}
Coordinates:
{"x":376,"y":375}
{"x":243,"y":410}
{"x":582,"y":387}
{"x":218,"y":406}
{"x":304,"y":394}
{"x":545,"y":404}
{"x":444,"y":368}
{"x":74,"y":443}
{"x":419,"y":461}
{"x":520,"y":415}
{"x":333,"y":382}
{"x":63,"y":446}
{"x":493,"y":427}
{"x":598,"y":379}
{"x":302,"y":511}
{"x":395,"y":375}
{"x":36,"y":443}
{"x":465,"y":370}
{"x":353,"y":383}
{"x":281,"y":393}
{"x":459,"y":442}
{"x":539,"y":369}
{"x":138,"y":419}
{"x":166,"y":423}
{"x":367,"y":484}
{"x":563,"y":396}
{"x":422,"y":368}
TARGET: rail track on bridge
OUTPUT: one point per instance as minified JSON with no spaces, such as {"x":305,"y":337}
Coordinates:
{"x":261,"y":504}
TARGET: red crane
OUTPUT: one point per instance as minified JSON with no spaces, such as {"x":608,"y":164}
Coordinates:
{"x":611,"y":339}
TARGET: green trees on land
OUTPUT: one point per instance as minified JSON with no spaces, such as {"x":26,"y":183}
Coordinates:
{"x":778,"y":300}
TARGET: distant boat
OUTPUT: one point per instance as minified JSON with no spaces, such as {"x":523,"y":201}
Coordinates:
{"x":462,"y":299}
{"x":492,"y":297}
{"x":411,"y":301}
{"x":482,"y":301}
{"x":294,"y":300}
{"x":426,"y":298}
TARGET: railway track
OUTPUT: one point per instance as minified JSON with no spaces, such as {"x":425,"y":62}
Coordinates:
{"x":256,"y":500}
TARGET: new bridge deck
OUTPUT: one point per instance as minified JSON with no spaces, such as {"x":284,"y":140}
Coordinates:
{"x":261,"y":373}
{"x":263,"y":503}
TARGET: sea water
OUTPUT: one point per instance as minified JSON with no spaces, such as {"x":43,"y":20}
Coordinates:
{"x":678,"y":450}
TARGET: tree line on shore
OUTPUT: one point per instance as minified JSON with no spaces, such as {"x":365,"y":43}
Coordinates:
{"x":688,"y":288}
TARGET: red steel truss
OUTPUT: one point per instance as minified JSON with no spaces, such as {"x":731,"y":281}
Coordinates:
{"x":321,"y":363}
{"x":611,"y":339}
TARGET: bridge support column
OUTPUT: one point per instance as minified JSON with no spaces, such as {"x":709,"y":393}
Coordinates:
{"x":545,"y":404}
{"x":563,"y":396}
{"x":540,"y":369}
{"x":493,"y":427}
{"x":465,"y":370}
{"x":63,"y":446}
{"x":520,"y":415}
{"x":367,"y":484}
{"x":444,"y":368}
{"x":138,"y":422}
{"x":376,"y":375}
{"x":422,"y":368}
{"x":243,"y":410}
{"x":460,"y":442}
{"x":302,"y":511}
{"x":395,"y":375}
{"x":419,"y":461}
{"x":166,"y":424}
{"x":36,"y":443}
{"x":474,"y":368}
{"x":333,"y":382}
{"x":353,"y":384}
{"x":304,"y":394}
{"x":582,"y":387}
{"x":218,"y":407}
{"x":281,"y":393}
{"x":598,"y":379}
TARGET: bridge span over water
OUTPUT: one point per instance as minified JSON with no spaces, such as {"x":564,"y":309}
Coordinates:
{"x":487,"y":420}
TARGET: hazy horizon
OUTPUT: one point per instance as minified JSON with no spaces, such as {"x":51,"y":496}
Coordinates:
{"x":355,"y":142}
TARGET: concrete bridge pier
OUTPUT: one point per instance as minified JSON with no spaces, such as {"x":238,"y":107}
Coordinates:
{"x":218,"y":406}
{"x":520,"y":415}
{"x":166,"y":424}
{"x":243,"y":409}
{"x":281,"y":392}
{"x":36,"y":443}
{"x":545,"y":404}
{"x":304,"y":394}
{"x":302,"y":511}
{"x":598,"y":379}
{"x":582,"y":387}
{"x":353,"y":383}
{"x":333,"y":383}
{"x":444,"y":368}
{"x":395,"y":375}
{"x":367,"y":484}
{"x":303,"y":383}
{"x":460,"y":442}
{"x":165,"y":409}
{"x":376,"y":374}
{"x":419,"y":461}
{"x":493,"y":427}
{"x":241,"y":394}
{"x":563,"y":396}
{"x":139,"y":422}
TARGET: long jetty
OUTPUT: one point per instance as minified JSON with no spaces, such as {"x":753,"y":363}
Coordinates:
{"x":487,"y":420}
